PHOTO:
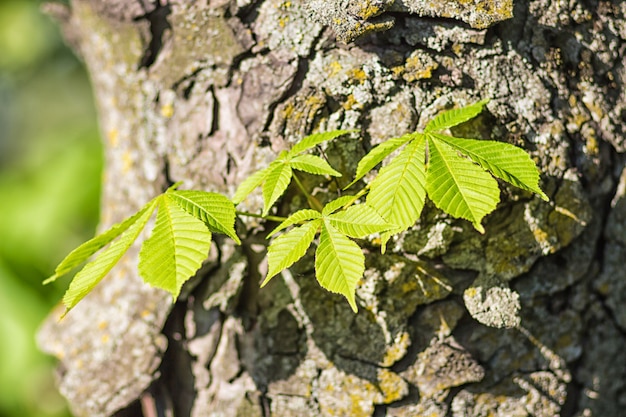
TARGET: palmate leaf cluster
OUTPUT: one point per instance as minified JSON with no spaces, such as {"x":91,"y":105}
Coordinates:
{"x":179,"y":243}
{"x":457,"y":174}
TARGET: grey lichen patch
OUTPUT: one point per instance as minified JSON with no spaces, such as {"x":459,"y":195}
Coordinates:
{"x":356,"y":392}
{"x":286,"y":25}
{"x":492,"y":302}
{"x":393,"y":118}
{"x":407,"y":283}
{"x":110,"y":343}
{"x":200,"y":39}
{"x":263,"y":79}
{"x":437,"y":35}
{"x":539,"y":394}
{"x":355,"y":79}
{"x":478,"y":14}
{"x":351,"y":19}
{"x":528,"y":231}
{"x":419,"y":65}
{"x":443,"y":365}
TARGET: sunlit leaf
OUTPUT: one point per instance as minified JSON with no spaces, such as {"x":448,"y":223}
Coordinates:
{"x":315,"y":139}
{"x":250,"y":184}
{"x":358,"y":221}
{"x":313,"y":165}
{"x":84,"y":251}
{"x":287,"y":249}
{"x":276,"y":183}
{"x":337,"y":203}
{"x":216,"y":211}
{"x":297,"y":217}
{"x":339,"y":263}
{"x":176,"y":249}
{"x":454,"y":117}
{"x":399,"y":191}
{"x":505,"y":161}
{"x":378,"y":154}
{"x":87,"y":278}
{"x":458,"y":186}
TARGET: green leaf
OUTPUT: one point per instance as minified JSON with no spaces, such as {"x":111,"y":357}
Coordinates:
{"x":315,"y":139}
{"x":84,"y":251}
{"x":336,"y":204}
{"x":455,"y":117}
{"x":250,"y":184}
{"x":458,"y":186}
{"x":378,"y":154}
{"x":358,"y":221}
{"x":286,"y":249}
{"x":215,"y":210}
{"x":313,"y":165}
{"x":399,"y":191}
{"x":505,"y":161}
{"x":339,"y":263}
{"x":297,"y":217}
{"x":177,"y":247}
{"x":275,"y":185}
{"x":87,"y":278}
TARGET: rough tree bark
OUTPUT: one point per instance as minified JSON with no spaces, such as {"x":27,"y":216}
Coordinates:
{"x":523,"y":320}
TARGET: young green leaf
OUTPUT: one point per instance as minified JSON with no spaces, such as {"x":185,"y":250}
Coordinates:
{"x":275,"y":185}
{"x":315,"y":139}
{"x":339,"y":263}
{"x":399,"y":191}
{"x":87,"y":278}
{"x":505,"y":161}
{"x":250,"y":184}
{"x":454,"y":117}
{"x":216,"y":211}
{"x":287,"y":249}
{"x":84,"y":251}
{"x":458,"y":186}
{"x":336,"y":204}
{"x":179,"y":243}
{"x":313,"y":165}
{"x":297,"y":217}
{"x":358,"y":221}
{"x":378,"y":154}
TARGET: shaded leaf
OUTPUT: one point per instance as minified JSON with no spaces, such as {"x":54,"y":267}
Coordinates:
{"x":179,"y":244}
{"x":287,"y":249}
{"x":215,"y":210}
{"x":87,"y":278}
{"x":505,"y":161}
{"x":458,"y":186}
{"x":454,"y":117}
{"x":339,"y":263}
{"x":313,"y":165}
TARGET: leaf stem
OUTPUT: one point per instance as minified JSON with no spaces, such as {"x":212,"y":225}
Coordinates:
{"x":356,"y":196}
{"x":260,"y":216}
{"x":313,"y":202}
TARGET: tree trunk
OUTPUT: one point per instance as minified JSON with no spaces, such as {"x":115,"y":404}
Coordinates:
{"x":523,"y":320}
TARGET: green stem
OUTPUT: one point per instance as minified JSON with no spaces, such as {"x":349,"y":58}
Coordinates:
{"x":313,"y":202}
{"x":356,"y":197}
{"x":260,"y":216}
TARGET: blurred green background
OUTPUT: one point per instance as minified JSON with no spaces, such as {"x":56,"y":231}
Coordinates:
{"x":50,"y":164}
